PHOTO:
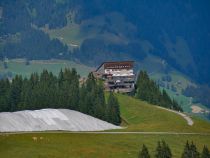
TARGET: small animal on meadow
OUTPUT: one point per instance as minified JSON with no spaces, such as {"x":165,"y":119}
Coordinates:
{"x":34,"y":138}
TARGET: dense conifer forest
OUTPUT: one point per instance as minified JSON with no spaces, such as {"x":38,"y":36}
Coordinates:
{"x":64,"y":91}
{"x":148,"y":90}
{"x":49,"y":91}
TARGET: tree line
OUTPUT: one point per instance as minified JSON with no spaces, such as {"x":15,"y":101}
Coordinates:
{"x":148,"y":90}
{"x":63,"y":91}
{"x":163,"y":151}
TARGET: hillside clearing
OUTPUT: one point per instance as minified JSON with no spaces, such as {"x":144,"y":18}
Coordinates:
{"x":18,"y":66}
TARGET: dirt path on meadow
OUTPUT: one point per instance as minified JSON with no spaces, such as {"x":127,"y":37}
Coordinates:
{"x":186,"y":117}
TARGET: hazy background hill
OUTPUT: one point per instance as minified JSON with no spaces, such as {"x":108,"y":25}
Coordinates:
{"x":170,"y":39}
{"x":178,"y":32}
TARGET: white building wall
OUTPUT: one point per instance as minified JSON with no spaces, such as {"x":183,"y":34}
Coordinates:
{"x":121,"y":72}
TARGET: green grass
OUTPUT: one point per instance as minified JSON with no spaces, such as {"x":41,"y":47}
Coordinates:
{"x":66,"y":145}
{"x":142,"y":116}
{"x":18,"y":66}
{"x":69,"y":34}
{"x":74,"y":34}
{"x":139,"y":115}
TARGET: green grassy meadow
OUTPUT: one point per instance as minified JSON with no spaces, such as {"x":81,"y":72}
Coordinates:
{"x":69,"y":145}
{"x":69,"y":34}
{"x":18,"y":66}
{"x":138,"y":116}
{"x":141,"y":116}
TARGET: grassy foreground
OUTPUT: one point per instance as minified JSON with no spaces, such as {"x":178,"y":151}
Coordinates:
{"x":138,"y":116}
{"x":66,"y":145}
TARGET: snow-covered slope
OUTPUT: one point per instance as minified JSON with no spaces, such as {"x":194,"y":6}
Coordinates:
{"x":51,"y":119}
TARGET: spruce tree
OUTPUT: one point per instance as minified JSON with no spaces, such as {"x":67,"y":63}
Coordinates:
{"x":60,"y":78}
{"x":158,"y":152}
{"x":113,"y":110}
{"x":144,"y":153}
{"x":82,"y":99}
{"x":166,"y":150}
{"x":194,"y":152}
{"x":4,"y":95}
{"x":190,"y":151}
{"x":163,"y":150}
{"x":100,"y":106}
{"x":186,"y":152}
{"x":15,"y":92}
{"x":205,"y":153}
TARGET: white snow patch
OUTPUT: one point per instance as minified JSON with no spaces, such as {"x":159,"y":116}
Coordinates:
{"x":51,"y":119}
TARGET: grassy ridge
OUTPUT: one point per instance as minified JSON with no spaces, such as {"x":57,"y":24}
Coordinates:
{"x":142,"y":116}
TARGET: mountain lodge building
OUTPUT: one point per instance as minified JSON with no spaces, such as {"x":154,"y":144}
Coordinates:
{"x":118,"y":76}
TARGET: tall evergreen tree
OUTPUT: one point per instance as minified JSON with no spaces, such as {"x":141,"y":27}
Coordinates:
{"x":158,"y":152}
{"x":15,"y":92}
{"x":166,"y":150}
{"x":194,"y":152}
{"x":144,"y":153}
{"x":4,"y":95}
{"x":190,"y":151}
{"x":186,"y":152}
{"x":82,"y":99}
{"x":163,"y":150}
{"x":100,"y":105}
{"x":205,"y":153}
{"x":60,"y":78}
{"x":113,"y":110}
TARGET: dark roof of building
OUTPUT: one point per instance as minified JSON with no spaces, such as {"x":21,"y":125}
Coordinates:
{"x":116,"y":64}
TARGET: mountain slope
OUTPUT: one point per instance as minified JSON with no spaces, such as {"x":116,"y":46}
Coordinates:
{"x":141,"y":116}
{"x":177,"y":32}
{"x":160,"y":36}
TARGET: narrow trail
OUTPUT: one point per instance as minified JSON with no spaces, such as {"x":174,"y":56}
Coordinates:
{"x":104,"y":132}
{"x":187,"y":118}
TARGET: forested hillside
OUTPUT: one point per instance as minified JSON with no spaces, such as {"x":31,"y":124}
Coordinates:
{"x":49,"y":91}
{"x":178,"y":32}
{"x":148,"y":90}
{"x":20,"y":36}
{"x":175,"y":33}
